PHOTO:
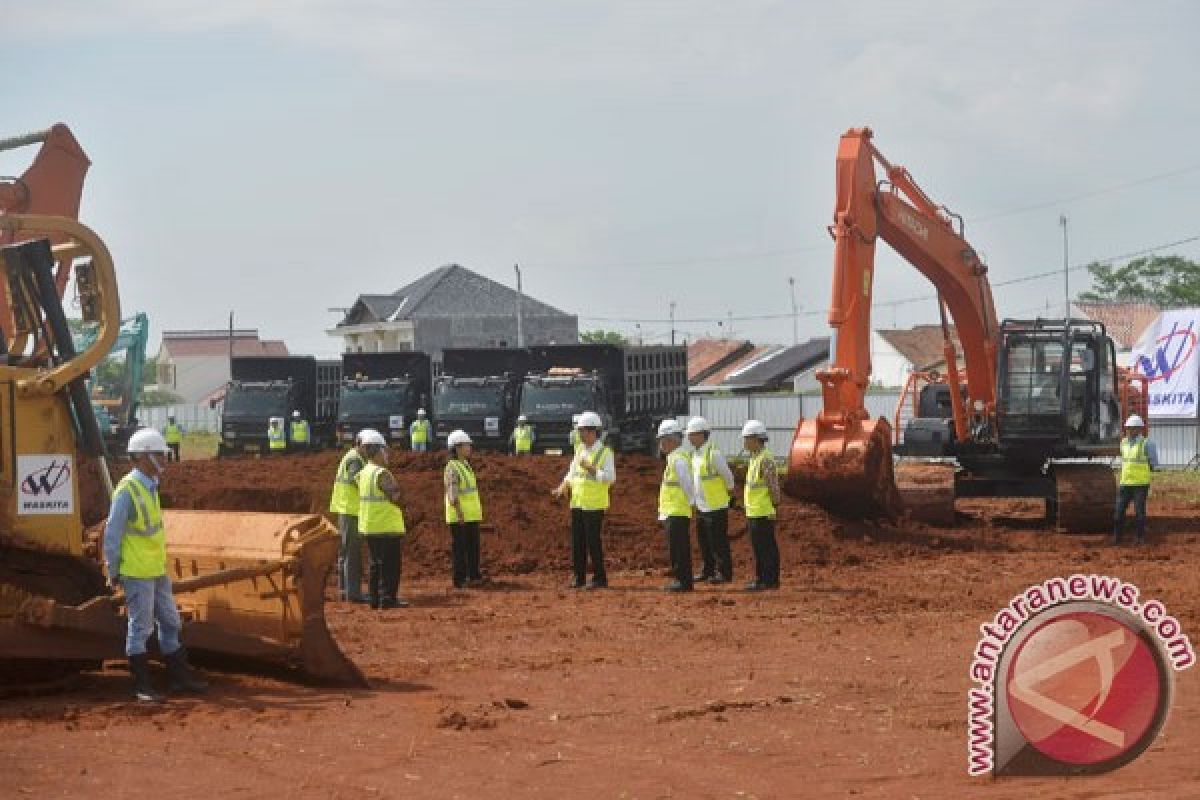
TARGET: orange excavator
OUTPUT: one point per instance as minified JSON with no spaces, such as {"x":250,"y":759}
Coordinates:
{"x":1034,"y":405}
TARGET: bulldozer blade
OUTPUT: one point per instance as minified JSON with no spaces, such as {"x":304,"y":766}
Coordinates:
{"x":845,"y":469}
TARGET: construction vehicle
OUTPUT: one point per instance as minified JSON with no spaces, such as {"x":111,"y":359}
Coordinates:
{"x":262,"y":387}
{"x":382,"y":391}
{"x":250,"y":587}
{"x":631,"y":388}
{"x":1034,"y":412}
{"x":116,"y":384}
{"x":478,"y":392}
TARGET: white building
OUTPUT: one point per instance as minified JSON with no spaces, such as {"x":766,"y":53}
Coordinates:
{"x":195,"y":364}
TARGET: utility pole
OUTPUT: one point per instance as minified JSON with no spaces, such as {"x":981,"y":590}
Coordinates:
{"x":1062,"y":220}
{"x":795,"y":313}
{"x":729,"y":328}
{"x":520,"y":308}
{"x":231,"y":344}
{"x":672,"y":322}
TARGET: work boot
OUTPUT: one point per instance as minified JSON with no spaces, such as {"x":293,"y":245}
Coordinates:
{"x":677,"y":586}
{"x":719,"y":578}
{"x":702,"y":577}
{"x":756,"y":586}
{"x":577,"y":583}
{"x":143,"y":689}
{"x":394,"y":602}
{"x":180,"y":677}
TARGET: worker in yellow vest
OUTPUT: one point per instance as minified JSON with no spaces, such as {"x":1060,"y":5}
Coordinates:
{"x":301,"y":433}
{"x":135,"y":553}
{"x":344,"y":502}
{"x":173,"y":434}
{"x":1139,"y":458}
{"x":761,"y":499}
{"x":714,"y":493}
{"x":420,"y":432}
{"x":522,"y":436}
{"x":276,"y":436}
{"x":675,"y":500}
{"x":464,"y":512}
{"x":588,"y":480}
{"x":381,"y":523}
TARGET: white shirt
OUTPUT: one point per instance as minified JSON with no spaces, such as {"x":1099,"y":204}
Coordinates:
{"x":606,"y":470}
{"x":720,"y":465}
{"x":683,"y":474}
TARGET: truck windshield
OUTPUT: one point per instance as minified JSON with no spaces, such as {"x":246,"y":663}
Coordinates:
{"x":371,"y":401}
{"x":257,"y":403}
{"x":538,"y":400}
{"x":460,"y":400}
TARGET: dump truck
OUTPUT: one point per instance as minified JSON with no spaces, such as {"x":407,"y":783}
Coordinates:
{"x":263,"y":387}
{"x":250,"y":586}
{"x":631,"y":388}
{"x":383,"y":391}
{"x":478,"y":392}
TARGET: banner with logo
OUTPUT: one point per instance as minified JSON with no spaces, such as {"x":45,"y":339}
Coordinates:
{"x":45,"y":484}
{"x":1166,"y":354}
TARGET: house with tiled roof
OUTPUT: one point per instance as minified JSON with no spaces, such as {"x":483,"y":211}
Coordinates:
{"x":708,"y":357}
{"x":897,"y":352}
{"x":451,"y":306}
{"x":195,"y":364}
{"x":1124,"y":322}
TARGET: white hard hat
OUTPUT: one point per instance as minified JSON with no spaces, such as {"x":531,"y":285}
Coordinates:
{"x":669,"y":427}
{"x":754,"y":428}
{"x":589,"y":419}
{"x":147,"y":440}
{"x":698,"y":425}
{"x":522,"y":418}
{"x":1135,"y":421}
{"x":296,"y":414}
{"x":371,"y":436}
{"x":420,"y":412}
{"x":456,"y":438}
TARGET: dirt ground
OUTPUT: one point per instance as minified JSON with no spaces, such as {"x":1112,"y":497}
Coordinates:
{"x":849,"y":682}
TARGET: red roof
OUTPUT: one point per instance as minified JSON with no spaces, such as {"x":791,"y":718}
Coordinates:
{"x":1124,"y":322}
{"x":705,"y":356}
{"x":198,"y":344}
{"x":738,"y":363}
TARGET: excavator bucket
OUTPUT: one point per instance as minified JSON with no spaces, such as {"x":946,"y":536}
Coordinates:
{"x":250,"y":589}
{"x":845,"y":468}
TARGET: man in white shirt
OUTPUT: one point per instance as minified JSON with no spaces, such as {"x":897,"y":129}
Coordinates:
{"x":588,"y":480}
{"x":676,"y":496}
{"x":714,"y":486}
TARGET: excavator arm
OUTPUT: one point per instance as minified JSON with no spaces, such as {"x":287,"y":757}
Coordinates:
{"x":842,"y":458}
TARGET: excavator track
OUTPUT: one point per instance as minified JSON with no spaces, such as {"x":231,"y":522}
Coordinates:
{"x":25,"y":574}
{"x":927,"y":492}
{"x":1083,"y":497}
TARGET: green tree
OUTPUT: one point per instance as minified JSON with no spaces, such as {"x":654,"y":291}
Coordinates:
{"x":160,"y":397}
{"x":603,"y":337}
{"x":1161,"y":280}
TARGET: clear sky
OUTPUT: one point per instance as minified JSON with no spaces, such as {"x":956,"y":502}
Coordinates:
{"x":278,"y":158}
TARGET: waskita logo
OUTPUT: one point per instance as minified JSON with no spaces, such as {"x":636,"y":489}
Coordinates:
{"x":46,"y":480}
{"x":1171,"y":353}
{"x":1075,"y":676}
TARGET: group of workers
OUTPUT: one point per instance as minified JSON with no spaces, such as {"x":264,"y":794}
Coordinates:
{"x":368,"y":504}
{"x":295,"y":437}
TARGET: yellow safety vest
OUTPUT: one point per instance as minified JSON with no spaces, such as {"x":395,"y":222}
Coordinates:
{"x":716,"y":494}
{"x":672,"y":500}
{"x":345,"y":488}
{"x":144,"y":546}
{"x":300,"y":431}
{"x":468,"y":495}
{"x":523,"y":437}
{"x":276,"y":438}
{"x":376,"y":513}
{"x":420,"y":431}
{"x":758,"y":494}
{"x":1135,"y":462}
{"x":173,"y":434}
{"x":587,"y":492}
{"x":576,"y":442}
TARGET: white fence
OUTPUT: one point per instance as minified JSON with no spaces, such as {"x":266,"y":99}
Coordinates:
{"x":198,"y":417}
{"x":1178,"y":440}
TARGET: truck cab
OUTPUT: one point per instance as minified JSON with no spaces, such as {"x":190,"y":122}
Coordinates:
{"x":248,"y":407}
{"x":484,"y":407}
{"x":551,"y":399}
{"x":388,"y":406}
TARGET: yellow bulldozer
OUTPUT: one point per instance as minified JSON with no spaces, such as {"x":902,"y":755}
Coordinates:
{"x":250,"y":586}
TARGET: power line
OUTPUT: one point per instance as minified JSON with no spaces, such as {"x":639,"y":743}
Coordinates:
{"x":906,"y":300}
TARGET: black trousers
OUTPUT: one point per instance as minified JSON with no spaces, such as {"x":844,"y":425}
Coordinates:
{"x":383,"y":576}
{"x":766,"y":550}
{"x":679,"y":546}
{"x":712,"y":534}
{"x":464,"y":553}
{"x":1126,"y":495}
{"x":174,"y":451}
{"x":585,"y":543}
